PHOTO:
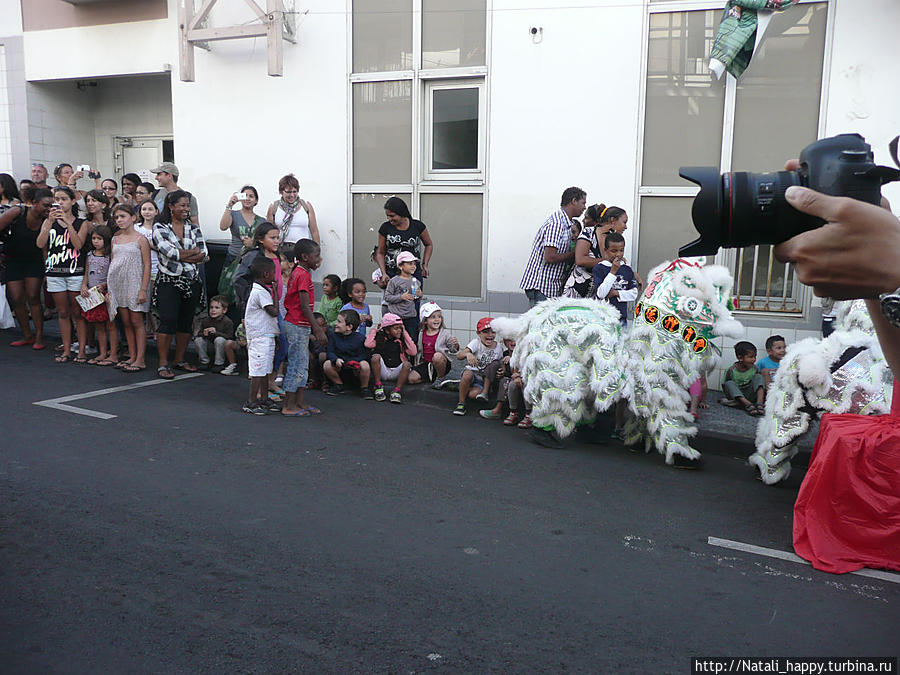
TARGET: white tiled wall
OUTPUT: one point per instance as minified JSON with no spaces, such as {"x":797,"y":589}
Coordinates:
{"x":6,"y":159}
{"x":68,"y":124}
{"x":60,"y":124}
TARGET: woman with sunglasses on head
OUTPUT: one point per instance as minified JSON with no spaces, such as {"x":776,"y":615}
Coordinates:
{"x":599,"y":220}
{"x":295,"y":217}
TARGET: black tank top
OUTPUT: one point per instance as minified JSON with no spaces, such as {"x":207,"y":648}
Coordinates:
{"x":20,"y":242}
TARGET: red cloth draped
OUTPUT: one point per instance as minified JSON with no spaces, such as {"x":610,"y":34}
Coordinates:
{"x":847,"y":514}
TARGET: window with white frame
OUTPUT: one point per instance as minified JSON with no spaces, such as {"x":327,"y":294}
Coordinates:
{"x":751,"y":124}
{"x":418,"y":131}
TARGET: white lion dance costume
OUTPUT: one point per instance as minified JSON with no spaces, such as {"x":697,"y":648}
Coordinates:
{"x":671,"y":344}
{"x":568,"y":351}
{"x":843,"y":373}
{"x":577,"y":360}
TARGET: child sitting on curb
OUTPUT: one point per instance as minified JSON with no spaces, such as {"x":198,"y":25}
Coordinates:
{"x":347,"y":355}
{"x":479,"y":353}
{"x":392,"y":347}
{"x":775,"y":350}
{"x":743,"y":385}
{"x":435,"y":346}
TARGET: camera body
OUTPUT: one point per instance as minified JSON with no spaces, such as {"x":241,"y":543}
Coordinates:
{"x":84,"y":168}
{"x":743,"y":208}
{"x":241,"y":195}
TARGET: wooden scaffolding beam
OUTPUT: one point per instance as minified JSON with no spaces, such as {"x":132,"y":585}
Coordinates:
{"x":271,"y":28}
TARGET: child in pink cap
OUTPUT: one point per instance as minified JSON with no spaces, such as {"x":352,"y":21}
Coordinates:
{"x":392,"y":347}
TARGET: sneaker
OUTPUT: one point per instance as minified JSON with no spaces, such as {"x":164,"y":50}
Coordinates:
{"x":279,"y":380}
{"x":438,"y":383}
{"x":205,"y":364}
{"x":367,"y":393}
{"x":254,"y":408}
{"x":450,"y":383}
{"x":379,"y":394}
{"x":272,"y":406}
{"x":74,"y":347}
{"x":483,"y":397}
{"x":335,"y":390}
{"x":396,"y":397}
{"x":460,"y":409}
{"x":90,"y":350}
{"x":230,"y":369}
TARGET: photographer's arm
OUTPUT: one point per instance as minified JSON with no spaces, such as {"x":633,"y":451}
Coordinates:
{"x":856,"y":254}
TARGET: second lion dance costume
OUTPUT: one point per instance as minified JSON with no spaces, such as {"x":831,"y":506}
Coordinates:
{"x":577,"y":359}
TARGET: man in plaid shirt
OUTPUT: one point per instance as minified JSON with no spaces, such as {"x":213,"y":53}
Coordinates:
{"x":552,"y":252}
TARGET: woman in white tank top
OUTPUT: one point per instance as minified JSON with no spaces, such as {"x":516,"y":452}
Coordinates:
{"x":295,"y":217}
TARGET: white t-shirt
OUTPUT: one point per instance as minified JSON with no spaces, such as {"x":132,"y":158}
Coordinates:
{"x":154,"y":260}
{"x":257,"y":322}
{"x":483,"y":354}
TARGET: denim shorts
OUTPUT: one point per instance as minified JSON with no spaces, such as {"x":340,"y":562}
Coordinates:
{"x":298,"y":356}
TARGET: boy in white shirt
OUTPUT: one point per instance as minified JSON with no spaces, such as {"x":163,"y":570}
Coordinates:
{"x":479,"y":353}
{"x":261,"y":325}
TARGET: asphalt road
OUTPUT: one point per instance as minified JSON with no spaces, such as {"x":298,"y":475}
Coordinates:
{"x":185,"y":536}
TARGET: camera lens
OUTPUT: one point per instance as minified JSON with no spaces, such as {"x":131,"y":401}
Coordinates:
{"x":741,"y":208}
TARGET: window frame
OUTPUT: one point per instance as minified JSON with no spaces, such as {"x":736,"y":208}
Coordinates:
{"x":427,"y":172}
{"x":800,"y":295}
{"x":423,"y":182}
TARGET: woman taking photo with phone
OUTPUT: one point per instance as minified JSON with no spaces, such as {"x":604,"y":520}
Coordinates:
{"x":242,"y":223}
{"x":62,"y":238}
{"x":295,"y":217}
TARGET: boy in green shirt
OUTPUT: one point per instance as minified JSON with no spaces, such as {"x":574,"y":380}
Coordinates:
{"x":742,"y":383}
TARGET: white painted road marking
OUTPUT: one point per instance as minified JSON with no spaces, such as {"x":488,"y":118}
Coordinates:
{"x":60,"y":403}
{"x":791,"y":557}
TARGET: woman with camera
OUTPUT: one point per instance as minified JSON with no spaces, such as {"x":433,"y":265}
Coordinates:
{"x":295,"y":217}
{"x":62,"y":238}
{"x":20,"y":227}
{"x":242,"y":223}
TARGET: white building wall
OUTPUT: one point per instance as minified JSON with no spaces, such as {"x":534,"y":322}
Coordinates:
{"x":563,"y":112}
{"x":864,"y":88}
{"x":98,"y":51}
{"x":236,"y":125}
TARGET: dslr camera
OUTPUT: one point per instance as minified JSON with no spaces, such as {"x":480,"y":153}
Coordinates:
{"x":742,"y":208}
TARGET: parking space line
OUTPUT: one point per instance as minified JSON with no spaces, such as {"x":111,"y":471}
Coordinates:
{"x":791,"y":557}
{"x":60,"y":402}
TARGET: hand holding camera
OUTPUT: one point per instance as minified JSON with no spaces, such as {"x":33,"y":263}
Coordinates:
{"x":742,"y":208}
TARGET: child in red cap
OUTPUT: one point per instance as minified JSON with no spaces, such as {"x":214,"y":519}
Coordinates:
{"x":479,"y":354}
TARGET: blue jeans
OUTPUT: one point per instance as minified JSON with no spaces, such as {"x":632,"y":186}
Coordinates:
{"x":534,"y":296}
{"x":281,"y":348}
{"x":298,"y":356}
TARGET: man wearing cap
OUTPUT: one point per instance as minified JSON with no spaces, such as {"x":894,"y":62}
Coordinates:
{"x":552,"y":252}
{"x":167,"y":179}
{"x":39,"y":175}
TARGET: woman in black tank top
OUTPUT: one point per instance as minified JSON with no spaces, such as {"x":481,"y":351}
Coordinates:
{"x":24,"y":265}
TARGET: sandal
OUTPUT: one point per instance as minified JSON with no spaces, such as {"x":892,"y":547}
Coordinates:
{"x":165,"y":373}
{"x":105,"y":362}
{"x":312,"y":410}
{"x":131,"y":368}
{"x":120,"y":364}
{"x":63,"y":358}
{"x":186,"y":367}
{"x":512,"y":419}
{"x":79,"y":359}
{"x":490,"y":415}
{"x":755,"y":410}
{"x":303,"y":412}
{"x":22,"y":343}
{"x":94,"y":361}
{"x":525,"y":423}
